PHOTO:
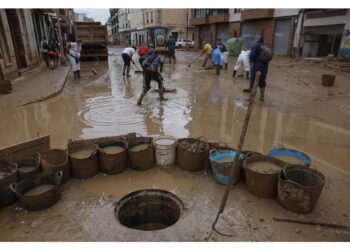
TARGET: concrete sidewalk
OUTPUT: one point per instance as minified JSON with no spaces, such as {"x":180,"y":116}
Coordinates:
{"x":35,"y":85}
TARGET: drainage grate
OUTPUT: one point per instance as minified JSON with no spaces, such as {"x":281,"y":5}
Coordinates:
{"x":149,"y":209}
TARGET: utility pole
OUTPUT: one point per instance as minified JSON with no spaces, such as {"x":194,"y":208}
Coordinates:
{"x":63,"y":59}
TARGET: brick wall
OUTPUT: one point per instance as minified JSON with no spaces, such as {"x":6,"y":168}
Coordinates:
{"x":196,"y":38}
{"x":212,"y":33}
{"x":234,"y":29}
{"x":257,"y":13}
{"x":268,"y":27}
{"x":220,"y":18}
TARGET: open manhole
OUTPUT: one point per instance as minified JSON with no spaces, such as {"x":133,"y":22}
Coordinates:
{"x":149,"y":209}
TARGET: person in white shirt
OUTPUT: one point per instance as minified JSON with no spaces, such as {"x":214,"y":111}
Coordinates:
{"x":74,"y":49}
{"x":243,"y":60}
{"x":127,"y":58}
{"x":44,"y":46}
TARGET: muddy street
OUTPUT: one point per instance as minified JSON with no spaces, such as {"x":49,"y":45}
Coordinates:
{"x":297,"y":113}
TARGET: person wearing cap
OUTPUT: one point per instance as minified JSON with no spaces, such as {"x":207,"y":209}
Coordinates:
{"x":151,"y":66}
{"x":207,"y":51}
{"x":127,"y":58}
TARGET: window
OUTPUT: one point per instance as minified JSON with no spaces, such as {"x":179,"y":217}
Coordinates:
{"x":218,"y":11}
{"x":147,"y":17}
{"x":158,"y":16}
{"x":199,"y":13}
{"x":151,"y":16}
{"x":237,"y":11}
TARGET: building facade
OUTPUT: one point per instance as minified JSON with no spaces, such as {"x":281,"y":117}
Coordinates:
{"x":114,"y":19}
{"x":292,"y":32}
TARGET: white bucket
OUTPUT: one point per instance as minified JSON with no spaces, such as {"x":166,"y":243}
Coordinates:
{"x":165,"y":147}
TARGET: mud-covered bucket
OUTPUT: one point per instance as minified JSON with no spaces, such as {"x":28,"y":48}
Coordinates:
{"x":141,"y":153}
{"x":28,"y":167}
{"x":221,"y":163}
{"x":112,"y":156}
{"x":39,"y":191}
{"x":219,"y":147}
{"x":328,"y":80}
{"x":247,"y":154}
{"x":55,"y":160}
{"x":299,"y":188}
{"x":261,"y":175}
{"x":191,"y":154}
{"x":290,"y":156}
{"x":8,"y":175}
{"x":83,"y":160}
{"x":165,"y":149}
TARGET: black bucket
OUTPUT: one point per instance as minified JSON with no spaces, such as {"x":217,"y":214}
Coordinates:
{"x":299,"y":188}
{"x":28,"y":167}
{"x":8,"y":175}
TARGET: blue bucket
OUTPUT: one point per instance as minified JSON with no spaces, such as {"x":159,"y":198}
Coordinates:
{"x":291,"y":152}
{"x":221,"y":170}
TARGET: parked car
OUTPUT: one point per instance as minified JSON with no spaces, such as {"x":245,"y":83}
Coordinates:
{"x":183,"y":43}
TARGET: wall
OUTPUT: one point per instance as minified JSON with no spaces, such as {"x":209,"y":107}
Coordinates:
{"x":285,"y":12}
{"x":8,"y":64}
{"x":234,"y":17}
{"x":234,"y":29}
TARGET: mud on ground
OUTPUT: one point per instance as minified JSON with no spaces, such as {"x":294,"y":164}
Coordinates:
{"x":298,"y":112}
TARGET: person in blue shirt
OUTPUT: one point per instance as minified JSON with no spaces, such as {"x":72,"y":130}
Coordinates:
{"x":258,"y":65}
{"x":216,"y":58}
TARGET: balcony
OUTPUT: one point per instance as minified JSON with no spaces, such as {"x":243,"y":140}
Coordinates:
{"x":219,"y":18}
{"x":199,"y":20}
{"x":257,"y":14}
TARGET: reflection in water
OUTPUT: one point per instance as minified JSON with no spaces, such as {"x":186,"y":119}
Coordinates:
{"x":204,"y":105}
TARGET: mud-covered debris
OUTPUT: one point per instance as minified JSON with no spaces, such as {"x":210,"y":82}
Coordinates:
{"x":345,"y":215}
{"x":193,"y":145}
{"x":22,"y":222}
{"x":297,"y":230}
{"x":261,"y":219}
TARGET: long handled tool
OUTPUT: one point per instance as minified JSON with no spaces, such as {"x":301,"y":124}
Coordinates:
{"x":189,"y":65}
{"x":238,"y":153}
{"x":309,"y":222}
{"x":138,"y":70}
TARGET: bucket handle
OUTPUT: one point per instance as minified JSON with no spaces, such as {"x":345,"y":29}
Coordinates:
{"x":290,"y":181}
{"x":59,"y":175}
{"x":13,"y":189}
{"x":212,"y":151}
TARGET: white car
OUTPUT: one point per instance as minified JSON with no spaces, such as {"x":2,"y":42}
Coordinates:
{"x":183,"y":43}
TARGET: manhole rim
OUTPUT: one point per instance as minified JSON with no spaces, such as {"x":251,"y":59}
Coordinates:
{"x":144,"y":192}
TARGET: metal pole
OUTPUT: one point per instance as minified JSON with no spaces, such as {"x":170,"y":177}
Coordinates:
{"x":62,"y":61}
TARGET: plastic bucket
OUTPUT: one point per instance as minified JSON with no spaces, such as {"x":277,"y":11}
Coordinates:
{"x":40,"y":200}
{"x":83,"y":167}
{"x":291,"y":153}
{"x":222,"y":170}
{"x":188,"y":160}
{"x":165,"y":149}
{"x":142,"y":159}
{"x":112,"y":163}
{"x":28,"y":167}
{"x":8,"y":175}
{"x":55,"y":160}
{"x":328,"y":80}
{"x":299,"y":188}
{"x":259,"y":183}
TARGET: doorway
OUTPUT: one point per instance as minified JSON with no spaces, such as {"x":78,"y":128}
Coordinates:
{"x":16,"y":36}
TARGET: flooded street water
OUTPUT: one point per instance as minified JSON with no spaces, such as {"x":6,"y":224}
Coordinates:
{"x":204,"y":105}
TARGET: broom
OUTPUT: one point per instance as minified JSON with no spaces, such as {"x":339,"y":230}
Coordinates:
{"x":138,"y":70}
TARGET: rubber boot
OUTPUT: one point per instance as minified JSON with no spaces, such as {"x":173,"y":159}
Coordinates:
{"x":234,"y":73}
{"x":139,"y":102}
{"x":124,"y":67}
{"x":78,"y":74}
{"x":75,"y":74}
{"x":262,"y":94}
{"x":128,"y":71}
{"x":161,"y":94}
{"x":247,"y":74}
{"x":225,"y":65}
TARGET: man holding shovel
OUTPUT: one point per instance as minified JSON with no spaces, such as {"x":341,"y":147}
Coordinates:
{"x":151,"y":67}
{"x":127,"y":58}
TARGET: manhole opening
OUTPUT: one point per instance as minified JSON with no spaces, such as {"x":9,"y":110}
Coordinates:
{"x":149,"y":210}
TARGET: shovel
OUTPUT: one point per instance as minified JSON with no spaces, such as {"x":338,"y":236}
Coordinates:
{"x":138,"y":70}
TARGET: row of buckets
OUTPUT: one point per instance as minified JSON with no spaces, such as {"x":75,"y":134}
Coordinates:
{"x":297,"y":187}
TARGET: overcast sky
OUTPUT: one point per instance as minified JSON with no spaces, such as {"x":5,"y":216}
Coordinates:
{"x":99,"y":15}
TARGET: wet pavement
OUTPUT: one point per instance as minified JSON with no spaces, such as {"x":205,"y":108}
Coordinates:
{"x":205,"y":105}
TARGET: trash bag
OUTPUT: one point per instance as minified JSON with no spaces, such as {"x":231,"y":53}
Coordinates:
{"x":234,"y":46}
